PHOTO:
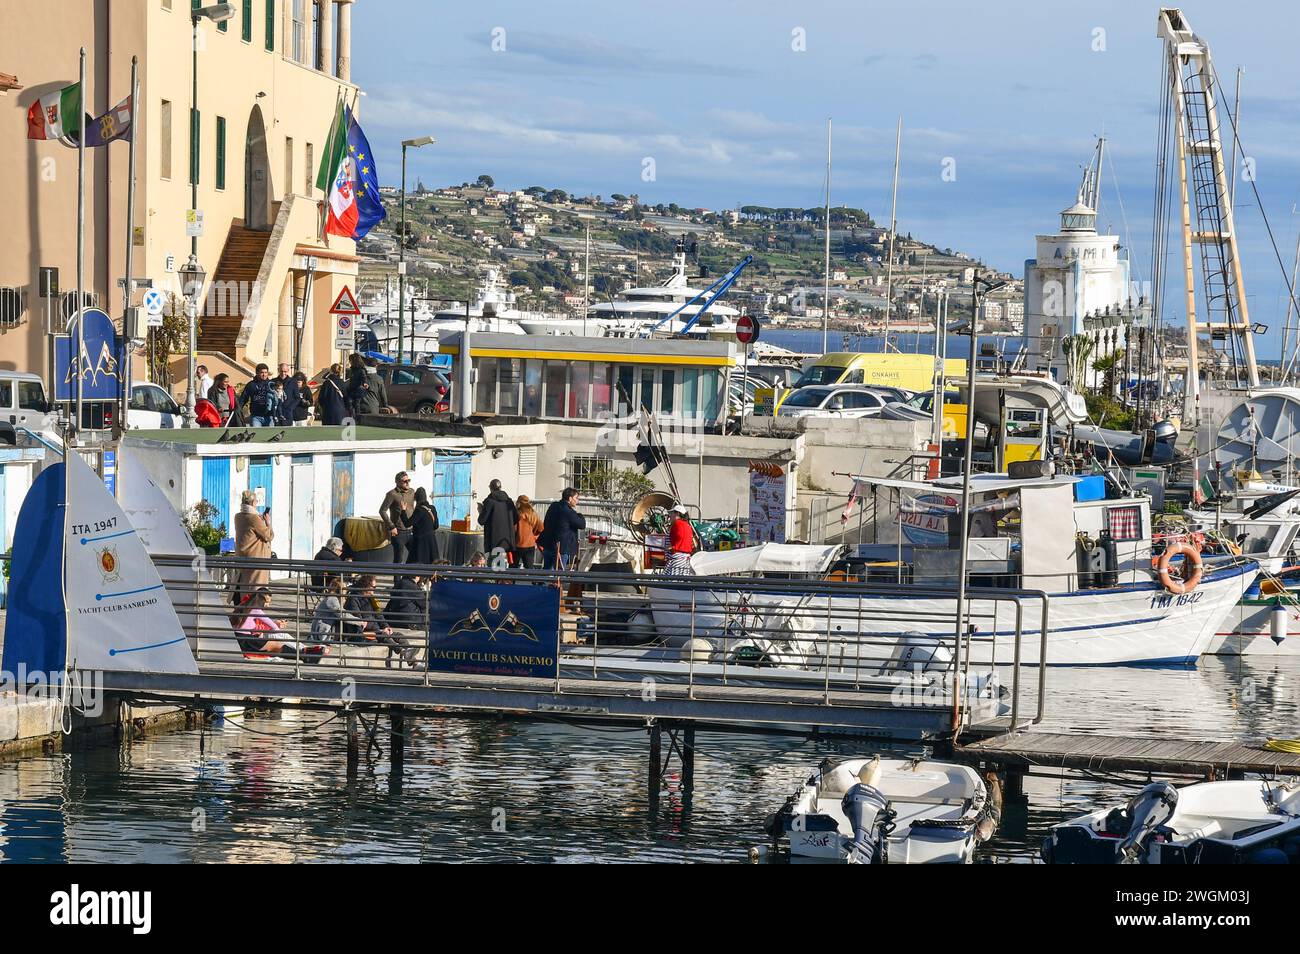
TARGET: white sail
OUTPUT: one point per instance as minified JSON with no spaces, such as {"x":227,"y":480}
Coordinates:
{"x":120,"y":616}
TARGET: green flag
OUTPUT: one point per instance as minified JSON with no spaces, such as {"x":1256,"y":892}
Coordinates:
{"x":336,"y":144}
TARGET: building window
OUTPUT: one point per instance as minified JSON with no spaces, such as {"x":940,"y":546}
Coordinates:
{"x":316,"y":61}
{"x":307,"y":184}
{"x":221,"y":152}
{"x":532,"y":388}
{"x":648,"y":389}
{"x":557,"y":374}
{"x":625,"y":396}
{"x":246,"y":21}
{"x":166,"y":4}
{"x":223,"y":26}
{"x":165,"y":139}
{"x":582,"y":469}
{"x":194,"y":146}
{"x":509,"y":374}
{"x":288,"y":164}
{"x":667,"y":390}
{"x":11,"y":307}
{"x":270,"y":24}
{"x":299,"y":32}
{"x":579,"y":388}
{"x":602,"y":390}
{"x":486,"y":393}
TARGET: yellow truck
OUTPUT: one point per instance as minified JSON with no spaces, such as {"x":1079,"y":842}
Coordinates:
{"x":912,"y":372}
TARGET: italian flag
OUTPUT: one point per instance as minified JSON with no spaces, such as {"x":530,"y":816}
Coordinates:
{"x":336,"y":176}
{"x":55,"y":115}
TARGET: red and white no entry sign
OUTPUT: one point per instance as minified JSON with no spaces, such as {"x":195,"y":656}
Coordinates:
{"x":746,"y":329}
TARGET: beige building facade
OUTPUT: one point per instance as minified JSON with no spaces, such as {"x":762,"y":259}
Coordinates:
{"x":269,"y":80}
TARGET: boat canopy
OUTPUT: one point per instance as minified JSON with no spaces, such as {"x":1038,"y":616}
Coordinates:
{"x":767,"y":558}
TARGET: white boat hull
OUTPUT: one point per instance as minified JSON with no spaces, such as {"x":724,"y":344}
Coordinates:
{"x":1138,"y":623}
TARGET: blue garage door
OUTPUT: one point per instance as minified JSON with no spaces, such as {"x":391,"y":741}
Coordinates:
{"x":260,"y":471}
{"x":216,"y":491}
{"x":451,"y":488}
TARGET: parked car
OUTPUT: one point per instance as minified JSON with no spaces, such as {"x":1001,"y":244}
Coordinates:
{"x":417,"y":388}
{"x":832,"y":402}
{"x":152,"y":408}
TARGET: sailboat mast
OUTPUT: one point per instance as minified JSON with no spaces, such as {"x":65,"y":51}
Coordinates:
{"x":826,"y":274}
{"x":893,"y":227}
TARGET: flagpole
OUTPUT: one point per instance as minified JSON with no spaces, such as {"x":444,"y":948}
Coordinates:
{"x":128,"y":281}
{"x":83,"y":102}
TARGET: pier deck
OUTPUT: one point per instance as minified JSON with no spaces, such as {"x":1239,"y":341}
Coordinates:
{"x":1020,"y":751}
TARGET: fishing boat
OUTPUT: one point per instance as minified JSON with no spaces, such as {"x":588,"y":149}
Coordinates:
{"x":889,"y":811}
{"x":1237,"y":822}
{"x":1083,"y":542}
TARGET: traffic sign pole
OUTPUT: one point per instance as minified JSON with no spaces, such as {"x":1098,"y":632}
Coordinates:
{"x":746,"y":334}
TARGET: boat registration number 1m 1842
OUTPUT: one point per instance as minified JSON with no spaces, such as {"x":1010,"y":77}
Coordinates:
{"x":1163,"y":600}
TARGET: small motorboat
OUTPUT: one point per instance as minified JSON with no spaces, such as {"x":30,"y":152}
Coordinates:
{"x":1242,"y":822}
{"x":889,"y":811}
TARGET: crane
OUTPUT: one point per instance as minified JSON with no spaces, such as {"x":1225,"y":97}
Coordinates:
{"x":1206,"y":205}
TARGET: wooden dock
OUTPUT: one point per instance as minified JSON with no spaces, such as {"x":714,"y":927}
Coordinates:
{"x":1018,"y":752}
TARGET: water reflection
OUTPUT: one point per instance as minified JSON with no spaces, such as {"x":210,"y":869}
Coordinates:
{"x":488,"y":790}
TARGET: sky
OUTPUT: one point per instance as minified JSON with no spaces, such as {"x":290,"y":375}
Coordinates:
{"x":717,"y":104}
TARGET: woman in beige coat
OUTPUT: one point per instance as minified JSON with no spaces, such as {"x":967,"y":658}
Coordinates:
{"x":253,"y":536}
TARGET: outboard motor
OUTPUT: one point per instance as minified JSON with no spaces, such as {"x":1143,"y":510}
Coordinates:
{"x":1150,"y":808}
{"x":868,"y":811}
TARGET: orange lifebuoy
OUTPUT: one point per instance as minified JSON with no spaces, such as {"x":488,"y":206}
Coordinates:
{"x":1189,"y":580}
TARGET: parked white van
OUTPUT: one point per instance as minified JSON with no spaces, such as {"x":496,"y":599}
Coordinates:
{"x":22,"y":399}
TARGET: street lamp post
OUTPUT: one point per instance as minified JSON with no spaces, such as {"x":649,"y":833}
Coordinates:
{"x":401,"y":247}
{"x":192,"y":272}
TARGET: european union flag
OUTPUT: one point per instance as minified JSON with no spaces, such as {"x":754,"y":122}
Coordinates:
{"x":370,"y":207}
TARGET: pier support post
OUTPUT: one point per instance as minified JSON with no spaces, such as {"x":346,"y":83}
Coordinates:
{"x":397,"y":736}
{"x":354,"y":743}
{"x":1015,"y":783}
{"x":656,"y":763}
{"x":688,"y":759}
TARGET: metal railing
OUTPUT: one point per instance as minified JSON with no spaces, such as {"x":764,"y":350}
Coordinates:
{"x":843,"y":643}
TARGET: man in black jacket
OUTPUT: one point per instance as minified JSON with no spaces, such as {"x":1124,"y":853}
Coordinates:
{"x":559,"y":537}
{"x":498,"y":518}
{"x":332,"y":551}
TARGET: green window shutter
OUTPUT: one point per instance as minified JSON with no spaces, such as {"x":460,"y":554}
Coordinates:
{"x":221,"y":152}
{"x":246,"y":21}
{"x":194,"y":146}
{"x":270,"y":25}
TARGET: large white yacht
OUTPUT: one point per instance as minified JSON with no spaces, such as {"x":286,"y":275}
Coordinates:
{"x":641,"y":311}
{"x":491,"y":310}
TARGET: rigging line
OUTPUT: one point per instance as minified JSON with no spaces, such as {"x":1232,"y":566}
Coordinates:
{"x":1123,"y":215}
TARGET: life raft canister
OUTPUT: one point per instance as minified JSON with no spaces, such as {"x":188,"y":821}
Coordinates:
{"x":1192,"y":556}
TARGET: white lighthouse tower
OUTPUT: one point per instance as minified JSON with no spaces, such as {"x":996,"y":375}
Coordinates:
{"x":1078,"y":297}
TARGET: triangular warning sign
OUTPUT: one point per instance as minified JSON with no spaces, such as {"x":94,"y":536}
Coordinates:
{"x":345,"y":304}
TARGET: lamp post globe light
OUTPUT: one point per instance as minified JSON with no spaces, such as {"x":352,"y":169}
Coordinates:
{"x":192,"y":273}
{"x":401,"y":248}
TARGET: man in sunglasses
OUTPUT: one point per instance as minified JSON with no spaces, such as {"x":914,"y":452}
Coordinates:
{"x":397,"y":512}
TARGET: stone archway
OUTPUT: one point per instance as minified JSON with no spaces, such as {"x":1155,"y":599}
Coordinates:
{"x":257,"y":175}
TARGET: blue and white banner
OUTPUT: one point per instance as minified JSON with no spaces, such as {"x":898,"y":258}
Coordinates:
{"x":495,"y":629}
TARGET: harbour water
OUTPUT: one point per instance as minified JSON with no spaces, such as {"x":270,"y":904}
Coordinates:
{"x":276,"y":789}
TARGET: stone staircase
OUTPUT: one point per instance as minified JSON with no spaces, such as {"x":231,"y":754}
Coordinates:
{"x":232,"y":288}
